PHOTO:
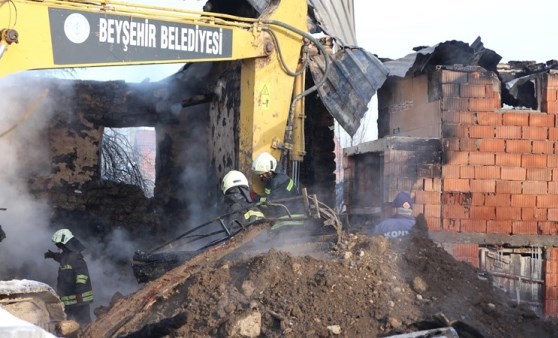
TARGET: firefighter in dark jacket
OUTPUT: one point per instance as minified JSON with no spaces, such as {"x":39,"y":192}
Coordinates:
{"x":399,"y":224}
{"x":74,"y":283}
{"x":277,"y":186}
{"x":237,"y":197}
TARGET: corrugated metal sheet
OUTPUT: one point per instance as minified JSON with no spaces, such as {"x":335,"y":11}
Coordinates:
{"x":334,"y":17}
{"x":445,"y":53}
{"x":353,"y":79}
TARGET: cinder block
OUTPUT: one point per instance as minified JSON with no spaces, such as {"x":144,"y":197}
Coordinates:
{"x":455,"y":212}
{"x":515,"y":119}
{"x":473,"y":225}
{"x":483,"y":212}
{"x":535,"y":133}
{"x":498,"y":200}
{"x":533,"y":160}
{"x":508,"y":213}
{"x":489,"y":118}
{"x":547,"y":201}
{"x":485,"y":104}
{"x":472,"y":90}
{"x":513,"y":173}
{"x":524,"y":228}
{"x":508,"y":132}
{"x":482,"y":158}
{"x":508,"y":187}
{"x":521,"y":200}
{"x":509,"y":160}
{"x":492,"y":145}
{"x":539,"y":174}
{"x":543,"y":147}
{"x":542,"y":120}
{"x":518,"y":146}
{"x":498,"y":227}
{"x":535,"y":188}
{"x":486,"y":186}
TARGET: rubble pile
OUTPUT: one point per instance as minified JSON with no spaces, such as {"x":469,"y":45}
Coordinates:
{"x":360,"y":287}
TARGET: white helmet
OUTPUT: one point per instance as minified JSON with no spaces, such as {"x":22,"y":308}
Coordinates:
{"x":265,"y":162}
{"x":62,"y":236}
{"x":233,"y":178}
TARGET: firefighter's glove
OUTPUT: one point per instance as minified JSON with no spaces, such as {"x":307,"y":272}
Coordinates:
{"x":53,"y":255}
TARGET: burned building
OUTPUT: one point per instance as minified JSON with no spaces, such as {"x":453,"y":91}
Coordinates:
{"x":476,"y":144}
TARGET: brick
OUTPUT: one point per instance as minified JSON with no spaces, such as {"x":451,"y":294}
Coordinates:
{"x":450,"y":89}
{"x":418,"y":209}
{"x":437,"y":184}
{"x":534,"y":214}
{"x":548,"y":228}
{"x":476,"y":104}
{"x":467,"y":172}
{"x":490,"y":118}
{"x":551,"y":107}
{"x":433,"y":223}
{"x":428,"y":197}
{"x":553,"y":188}
{"x":498,"y":200}
{"x":469,"y":144}
{"x":450,"y":76}
{"x":455,"y":104}
{"x":508,"y":132}
{"x":513,"y":174}
{"x":524,"y":228}
{"x":451,"y":225}
{"x":539,"y":174}
{"x":553,"y":134}
{"x":483,"y":158}
{"x":450,"y":116}
{"x":508,"y":187}
{"x":455,"y":130}
{"x":551,"y":292}
{"x":535,"y":133}
{"x":458,"y":157}
{"x":533,"y":160}
{"x":483,"y":185}
{"x":452,"y":184}
{"x":535,"y":188}
{"x":498,"y":227}
{"x":518,"y":146}
{"x":515,"y":119}
{"x":542,"y":120}
{"x":551,"y":80}
{"x":472,"y":90}
{"x":487,"y":172}
{"x":482,"y":212}
{"x":492,"y":91}
{"x":508,"y":213}
{"x":451,"y":144}
{"x":553,"y":214}
{"x":479,"y":77}
{"x":455,"y":212}
{"x":492,"y":145}
{"x":477,"y":131}
{"x":510,"y":160}
{"x":473,"y":225}
{"x":478,"y":198}
{"x":456,"y":198}
{"x":549,"y":94}
{"x":523,"y":200}
{"x":552,"y":161}
{"x":547,"y":201}
{"x":551,"y":308}
{"x":543,"y":147}
{"x":451,"y":171}
{"x":432,"y":210}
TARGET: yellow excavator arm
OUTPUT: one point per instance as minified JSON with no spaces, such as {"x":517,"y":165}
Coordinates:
{"x":61,"y":34}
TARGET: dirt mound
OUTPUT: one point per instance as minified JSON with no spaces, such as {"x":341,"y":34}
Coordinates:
{"x":361,"y":287}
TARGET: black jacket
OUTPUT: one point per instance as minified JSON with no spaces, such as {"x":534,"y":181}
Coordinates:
{"x":74,"y":284}
{"x":281,"y":186}
{"x":238,"y":198}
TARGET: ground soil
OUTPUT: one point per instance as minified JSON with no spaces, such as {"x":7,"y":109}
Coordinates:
{"x":359,"y":286}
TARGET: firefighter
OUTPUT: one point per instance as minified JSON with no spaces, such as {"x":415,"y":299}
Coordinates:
{"x":237,"y":196}
{"x":277,"y":186}
{"x":401,"y":222}
{"x":74,"y":283}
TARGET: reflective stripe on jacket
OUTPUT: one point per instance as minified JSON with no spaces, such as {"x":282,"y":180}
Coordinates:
{"x":74,"y":284}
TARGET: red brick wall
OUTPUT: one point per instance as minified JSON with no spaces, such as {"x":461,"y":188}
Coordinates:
{"x":465,"y":252}
{"x":551,"y":283}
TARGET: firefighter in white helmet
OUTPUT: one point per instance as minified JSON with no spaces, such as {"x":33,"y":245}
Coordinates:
{"x":237,"y":197}
{"x":276,"y":185}
{"x":74,"y":283}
